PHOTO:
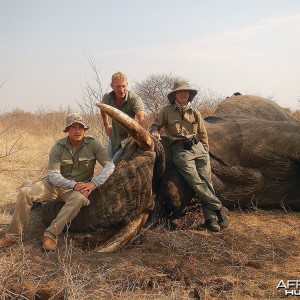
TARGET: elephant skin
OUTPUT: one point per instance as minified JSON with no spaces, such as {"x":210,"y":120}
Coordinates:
{"x":255,"y":162}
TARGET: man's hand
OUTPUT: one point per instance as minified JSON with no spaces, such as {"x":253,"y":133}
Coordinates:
{"x":156,"y":135}
{"x":140,"y":115}
{"x":85,"y":187}
{"x":108,"y":130}
{"x":107,"y":126}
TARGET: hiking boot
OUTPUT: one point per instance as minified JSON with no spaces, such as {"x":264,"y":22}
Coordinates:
{"x":212,"y":225}
{"x":222,"y":215}
{"x":5,"y":242}
{"x":48,"y":244}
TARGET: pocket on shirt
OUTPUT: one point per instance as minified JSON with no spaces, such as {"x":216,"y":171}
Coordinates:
{"x":174,"y":125}
{"x":194,"y":127}
{"x":66,"y":162}
{"x":66,"y":166}
{"x":86,"y":162}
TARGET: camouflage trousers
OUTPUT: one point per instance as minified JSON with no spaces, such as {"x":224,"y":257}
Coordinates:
{"x":194,"y":166}
{"x":42,"y":191}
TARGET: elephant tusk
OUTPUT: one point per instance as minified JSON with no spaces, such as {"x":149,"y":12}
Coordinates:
{"x":139,"y":134}
{"x":125,"y":235}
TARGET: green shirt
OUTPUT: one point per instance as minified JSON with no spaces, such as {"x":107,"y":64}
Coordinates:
{"x":180,"y":127}
{"x":130,"y":106}
{"x":80,"y":165}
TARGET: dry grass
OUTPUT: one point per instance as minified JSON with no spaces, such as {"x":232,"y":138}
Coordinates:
{"x":173,"y":260}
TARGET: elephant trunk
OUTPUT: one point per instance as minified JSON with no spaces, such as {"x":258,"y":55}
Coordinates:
{"x":138,"y":133}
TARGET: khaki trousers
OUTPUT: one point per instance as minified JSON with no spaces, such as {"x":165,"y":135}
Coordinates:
{"x":194,"y":166}
{"x":43,"y":191}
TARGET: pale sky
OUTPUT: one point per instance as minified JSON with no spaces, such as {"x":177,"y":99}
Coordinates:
{"x":225,"y":46}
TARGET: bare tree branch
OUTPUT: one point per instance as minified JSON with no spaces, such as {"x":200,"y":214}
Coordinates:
{"x":92,"y":94}
{"x":3,"y":83}
{"x":9,"y":146}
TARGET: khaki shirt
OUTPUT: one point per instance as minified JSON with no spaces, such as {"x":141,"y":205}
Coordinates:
{"x":130,"y":106}
{"x":179,"y":127}
{"x":80,"y":165}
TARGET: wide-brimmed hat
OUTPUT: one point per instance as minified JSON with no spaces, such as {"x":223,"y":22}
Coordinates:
{"x":74,"y":118}
{"x":181,"y":85}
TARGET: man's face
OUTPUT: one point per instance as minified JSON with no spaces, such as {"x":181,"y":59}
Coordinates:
{"x":182,"y":97}
{"x":120,"y":87}
{"x":76,"y":132}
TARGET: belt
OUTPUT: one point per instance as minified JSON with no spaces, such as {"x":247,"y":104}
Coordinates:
{"x":185,"y":142}
{"x":178,"y":143}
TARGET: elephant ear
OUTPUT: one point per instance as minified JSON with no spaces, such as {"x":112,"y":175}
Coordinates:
{"x":225,"y":139}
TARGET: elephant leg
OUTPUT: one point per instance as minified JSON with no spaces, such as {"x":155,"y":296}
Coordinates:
{"x":125,"y":235}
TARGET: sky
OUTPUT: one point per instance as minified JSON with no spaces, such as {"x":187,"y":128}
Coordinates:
{"x":251,"y":47}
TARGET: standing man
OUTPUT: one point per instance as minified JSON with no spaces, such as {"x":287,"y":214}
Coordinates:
{"x":129,"y":103}
{"x":184,"y":127}
{"x":71,"y":167}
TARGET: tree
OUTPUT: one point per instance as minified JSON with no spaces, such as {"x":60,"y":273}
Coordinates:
{"x":154,"y":90}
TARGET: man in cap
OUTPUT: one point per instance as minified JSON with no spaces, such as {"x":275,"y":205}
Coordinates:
{"x":70,"y":178}
{"x":184,"y":127}
{"x":129,"y":103}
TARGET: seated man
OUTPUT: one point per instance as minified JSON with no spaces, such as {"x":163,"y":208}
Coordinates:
{"x":72,"y":162}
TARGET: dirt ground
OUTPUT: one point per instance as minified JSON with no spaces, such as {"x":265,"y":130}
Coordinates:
{"x":167,"y":260}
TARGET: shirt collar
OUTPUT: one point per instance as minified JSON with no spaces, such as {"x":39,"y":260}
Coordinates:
{"x":65,"y":141}
{"x":175,"y":107}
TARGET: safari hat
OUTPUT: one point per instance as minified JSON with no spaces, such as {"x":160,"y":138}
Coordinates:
{"x":74,"y":118}
{"x":181,"y":85}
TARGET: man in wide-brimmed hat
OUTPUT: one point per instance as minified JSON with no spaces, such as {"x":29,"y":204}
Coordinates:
{"x":71,"y":167}
{"x":184,"y":127}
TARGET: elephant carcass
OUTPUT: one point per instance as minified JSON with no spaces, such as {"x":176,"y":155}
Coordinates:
{"x":255,"y":161}
{"x":125,"y":199}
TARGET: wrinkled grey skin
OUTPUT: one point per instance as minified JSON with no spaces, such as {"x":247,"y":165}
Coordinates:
{"x":254,"y":158}
{"x":263,"y":167}
{"x":255,"y":162}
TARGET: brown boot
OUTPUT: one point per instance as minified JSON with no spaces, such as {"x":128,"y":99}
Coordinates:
{"x":5,"y":242}
{"x":48,"y":244}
